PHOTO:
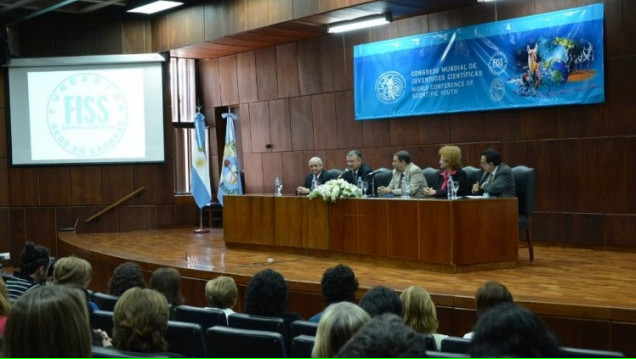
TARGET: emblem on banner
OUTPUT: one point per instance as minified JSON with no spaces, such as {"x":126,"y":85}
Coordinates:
{"x":390,"y":86}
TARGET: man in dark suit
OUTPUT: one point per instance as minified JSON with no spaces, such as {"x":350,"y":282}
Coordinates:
{"x":317,"y":172}
{"x":355,"y":168}
{"x":496,"y":180}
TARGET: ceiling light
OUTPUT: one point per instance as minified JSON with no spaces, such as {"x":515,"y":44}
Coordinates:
{"x":360,"y":23}
{"x":155,"y":7}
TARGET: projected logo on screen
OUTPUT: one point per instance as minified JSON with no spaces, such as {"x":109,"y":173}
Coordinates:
{"x":87,"y":114}
{"x":389,"y":87}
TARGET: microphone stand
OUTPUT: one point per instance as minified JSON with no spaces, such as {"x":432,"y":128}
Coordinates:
{"x":372,"y":184}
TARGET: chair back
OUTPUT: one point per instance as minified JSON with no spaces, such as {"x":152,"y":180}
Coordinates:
{"x":568,"y":352}
{"x":455,"y":345}
{"x":429,"y":339}
{"x":299,"y":327}
{"x":110,"y":352}
{"x":102,"y":319}
{"x":205,"y":317}
{"x":302,"y":346}
{"x":473,"y":174}
{"x":187,"y":339}
{"x":431,"y":174}
{"x":224,"y":342}
{"x":334,"y":173}
{"x":104,"y":301}
{"x":258,"y":322}
{"x":524,"y":184}
{"x":383,"y":177}
{"x":436,"y":354}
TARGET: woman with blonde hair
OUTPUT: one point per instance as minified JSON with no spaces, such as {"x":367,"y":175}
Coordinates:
{"x":450,"y":164}
{"x":339,"y":322}
{"x":221,"y":292}
{"x":420,"y":313}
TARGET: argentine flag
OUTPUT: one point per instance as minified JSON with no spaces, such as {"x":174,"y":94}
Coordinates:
{"x":230,"y":181}
{"x":200,"y":175}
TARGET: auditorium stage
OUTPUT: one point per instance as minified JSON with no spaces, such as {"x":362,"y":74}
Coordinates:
{"x":587,"y":296}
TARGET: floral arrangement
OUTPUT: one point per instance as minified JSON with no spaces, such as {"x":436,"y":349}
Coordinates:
{"x":334,"y":190}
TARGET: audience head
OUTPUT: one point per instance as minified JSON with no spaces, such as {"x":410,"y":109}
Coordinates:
{"x":339,"y":284}
{"x":450,"y":156}
{"x":490,"y":155}
{"x":338,"y":323}
{"x":490,"y":294}
{"x":509,"y":330}
{"x":419,"y":310}
{"x":140,"y":321}
{"x":384,"y":336}
{"x":221,"y":292}
{"x":354,"y":160}
{"x":266,"y":294}
{"x":167,"y":281}
{"x":125,"y":276}
{"x":315,"y":165}
{"x":72,"y":271}
{"x":35,"y":261}
{"x":379,"y":300}
{"x":5,"y":304}
{"x":48,"y":321}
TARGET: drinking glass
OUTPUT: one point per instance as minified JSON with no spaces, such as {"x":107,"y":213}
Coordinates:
{"x":365,"y":186}
{"x":278,"y":183}
{"x":455,"y":189}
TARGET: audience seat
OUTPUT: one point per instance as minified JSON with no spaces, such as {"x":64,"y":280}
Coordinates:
{"x":101,"y":352}
{"x":436,"y":354}
{"x":473,"y":174}
{"x":187,"y":339}
{"x":224,"y":342}
{"x":302,"y":345}
{"x":569,"y":352}
{"x":205,"y":317}
{"x":334,"y":173}
{"x":455,"y":345}
{"x":524,"y":185}
{"x":105,"y":301}
{"x":257,"y":322}
{"x":431,"y":174}
{"x":382,"y":178}
{"x":298,"y":327}
{"x":102,"y":319}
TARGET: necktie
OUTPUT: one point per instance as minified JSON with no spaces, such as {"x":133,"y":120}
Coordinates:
{"x":490,"y":178}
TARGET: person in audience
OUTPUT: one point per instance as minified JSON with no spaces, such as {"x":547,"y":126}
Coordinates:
{"x":340,"y":321}
{"x":497,"y":179}
{"x":267,"y":295}
{"x":125,"y":276}
{"x":140,"y":321}
{"x":338,"y":284}
{"x":5,"y":306}
{"x":487,"y":296}
{"x":450,"y":163}
{"x":509,"y":330}
{"x":379,"y":300}
{"x":167,"y":281}
{"x":384,"y":336}
{"x":76,"y":272}
{"x":356,"y":168}
{"x":316,"y":171}
{"x":420,"y":313}
{"x":403,"y":167}
{"x":48,"y":321}
{"x":34,"y":267}
{"x":221,"y":292}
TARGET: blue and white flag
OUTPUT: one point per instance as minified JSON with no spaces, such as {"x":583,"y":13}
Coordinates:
{"x":230,"y":181}
{"x":200,"y":169}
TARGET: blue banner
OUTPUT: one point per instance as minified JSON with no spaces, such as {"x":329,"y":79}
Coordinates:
{"x":549,"y":59}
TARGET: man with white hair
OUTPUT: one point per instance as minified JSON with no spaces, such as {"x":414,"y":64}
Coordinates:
{"x":317,"y":173}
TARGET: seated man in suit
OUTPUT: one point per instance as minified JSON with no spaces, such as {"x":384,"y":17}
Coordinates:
{"x":497,"y":180}
{"x":402,"y":166}
{"x":317,"y":172}
{"x":356,"y":169}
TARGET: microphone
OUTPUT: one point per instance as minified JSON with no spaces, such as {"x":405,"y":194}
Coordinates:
{"x":373,"y":173}
{"x":343,"y":173}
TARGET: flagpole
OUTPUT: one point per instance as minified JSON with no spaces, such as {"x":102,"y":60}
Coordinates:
{"x":201,"y":229}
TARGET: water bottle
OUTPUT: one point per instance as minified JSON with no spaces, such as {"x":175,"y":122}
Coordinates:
{"x":360,"y":183}
{"x":404,"y":187}
{"x":449,"y":188}
{"x":373,"y":186}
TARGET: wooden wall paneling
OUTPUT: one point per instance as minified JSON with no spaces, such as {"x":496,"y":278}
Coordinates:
{"x":259,"y":126}
{"x":344,"y":227}
{"x":524,"y":153}
{"x":619,"y":112}
{"x":514,"y":9}
{"x":547,"y":6}
{"x":309,"y":69}
{"x":266,"y":79}
{"x":272,"y":168}
{"x":350,"y":40}
{"x":40,"y":227}
{"x":630,"y":144}
{"x":318,"y":225}
{"x":116,"y":182}
{"x":336,"y":158}
{"x":550,"y":198}
{"x":547,"y":226}
{"x":237,"y":11}
{"x":5,"y":229}
{"x":622,"y":338}
{"x":254,"y":181}
{"x":305,"y":303}
{"x":3,"y":127}
{"x":408,"y":246}
{"x":3,"y":102}
{"x":215,"y":18}
{"x":280,"y":126}
{"x":18,"y":237}
{"x":166,"y":216}
{"x":628,"y":12}
{"x":569,"y":181}
{"x":186,"y":26}
{"x":210,"y":83}
{"x":502,"y":125}
{"x":86,"y":185}
{"x":449,"y":19}
{"x":66,"y":216}
{"x":332,"y":62}
{"x":287,"y":70}
{"x":458,"y":127}
{"x":613,"y":46}
{"x":323,"y":110}
{"x":609,"y":158}
{"x":256,"y":14}
{"x":295,"y":168}
{"x":403,"y":131}
{"x":373,"y":226}
{"x":242,"y":130}
{"x":433,"y":245}
{"x":479,"y":14}
{"x":228,"y":79}
{"x":415,"y":25}
{"x":136,"y":37}
{"x":580,"y":121}
{"x":302,"y":8}
{"x":107,"y":222}
{"x":290,"y":232}
{"x":461,"y":322}
{"x":618,"y":230}
{"x":280,"y":11}
{"x":580,"y":333}
{"x":381,"y":33}
{"x":246,"y":76}
{"x":301,"y":119}
{"x":132,"y":218}
{"x":5,"y":199}
{"x":349,"y":131}
{"x":583,"y":228}
{"x":375,"y":133}
{"x":55,"y":186}
{"x":23,"y":186}
{"x":160,"y":33}
{"x":536,"y":124}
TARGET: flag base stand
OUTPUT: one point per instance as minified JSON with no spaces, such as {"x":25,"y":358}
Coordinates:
{"x":201,"y":229}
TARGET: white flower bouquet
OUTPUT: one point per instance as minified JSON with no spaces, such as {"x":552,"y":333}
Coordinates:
{"x":334,"y":190}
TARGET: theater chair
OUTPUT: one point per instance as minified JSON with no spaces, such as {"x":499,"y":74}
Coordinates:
{"x":224,"y":342}
{"x":473,"y":174}
{"x":455,"y":345}
{"x":524,"y":185}
{"x":104,"y":301}
{"x":102,"y":319}
{"x":431,"y":175}
{"x":299,"y":327}
{"x":589,"y":353}
{"x":187,"y":339}
{"x":205,"y":317}
{"x":302,"y":345}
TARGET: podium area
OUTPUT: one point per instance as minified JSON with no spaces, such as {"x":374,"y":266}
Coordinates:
{"x":432,"y":234}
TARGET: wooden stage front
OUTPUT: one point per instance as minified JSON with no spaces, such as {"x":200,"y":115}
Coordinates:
{"x":588,"y":297}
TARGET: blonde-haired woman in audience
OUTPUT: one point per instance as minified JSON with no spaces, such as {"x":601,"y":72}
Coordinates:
{"x":5,"y":306}
{"x":420,"y":313}
{"x":339,"y":322}
{"x":221,"y":292}
{"x":140,"y":321}
{"x":76,"y":272}
{"x":48,"y":321}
